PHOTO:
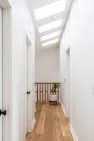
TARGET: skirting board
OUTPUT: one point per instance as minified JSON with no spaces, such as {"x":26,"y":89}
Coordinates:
{"x":33,"y":123}
{"x":63,"y":109}
{"x":73,"y":133}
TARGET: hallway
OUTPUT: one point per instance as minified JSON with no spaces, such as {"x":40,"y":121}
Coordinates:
{"x":51,"y":125}
{"x":46,"y":55}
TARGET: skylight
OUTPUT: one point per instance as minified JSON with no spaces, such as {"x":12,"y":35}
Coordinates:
{"x":50,"y":9}
{"x":50,"y":36}
{"x":50,"y":26}
{"x":50,"y":42}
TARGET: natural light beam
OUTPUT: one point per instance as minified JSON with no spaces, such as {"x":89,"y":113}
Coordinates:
{"x":50,"y":9}
{"x":50,"y":26}
{"x":50,"y":36}
{"x":50,"y":42}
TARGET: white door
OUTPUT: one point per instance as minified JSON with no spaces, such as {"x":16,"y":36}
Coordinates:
{"x":27,"y":92}
{"x":27,"y":89}
{"x":28,"y":86}
{"x":1,"y":82}
{"x":68,"y":82}
{"x":5,"y":74}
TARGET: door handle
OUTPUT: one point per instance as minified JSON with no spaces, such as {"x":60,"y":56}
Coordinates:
{"x":28,"y":92}
{"x":3,"y":112}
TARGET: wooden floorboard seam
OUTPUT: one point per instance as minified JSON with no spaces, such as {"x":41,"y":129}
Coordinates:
{"x":51,"y":125}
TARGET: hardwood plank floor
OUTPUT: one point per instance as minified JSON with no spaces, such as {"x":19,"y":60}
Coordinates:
{"x":40,"y":126}
{"x":51,"y":125}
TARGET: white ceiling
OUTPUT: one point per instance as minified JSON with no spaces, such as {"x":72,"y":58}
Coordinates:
{"x":34,"y":4}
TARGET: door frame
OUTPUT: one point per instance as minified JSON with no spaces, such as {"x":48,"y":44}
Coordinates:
{"x":7,"y":69}
{"x":28,"y":46}
{"x":1,"y":74}
{"x":67,"y":83}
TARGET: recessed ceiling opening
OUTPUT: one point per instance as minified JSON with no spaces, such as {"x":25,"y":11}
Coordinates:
{"x":50,"y":36}
{"x":50,"y":26}
{"x":50,"y":15}
{"x":50,"y":9}
{"x":50,"y":42}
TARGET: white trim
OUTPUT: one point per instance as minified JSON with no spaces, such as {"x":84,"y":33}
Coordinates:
{"x":68,"y":51}
{"x":28,"y":104}
{"x":73,"y":133}
{"x":28,"y":41}
{"x":63,"y":108}
{"x":33,"y":123}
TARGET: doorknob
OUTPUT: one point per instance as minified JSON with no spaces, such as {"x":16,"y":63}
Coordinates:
{"x":3,"y":112}
{"x":28,"y":92}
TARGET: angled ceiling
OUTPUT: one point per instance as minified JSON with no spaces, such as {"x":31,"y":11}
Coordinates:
{"x":49,"y":17}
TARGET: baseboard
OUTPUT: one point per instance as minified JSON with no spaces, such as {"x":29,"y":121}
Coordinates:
{"x":63,"y":108}
{"x":73,"y":133}
{"x":33,"y":123}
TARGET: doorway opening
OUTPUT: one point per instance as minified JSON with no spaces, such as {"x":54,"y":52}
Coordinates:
{"x":28,"y":84}
{"x":68,"y":82}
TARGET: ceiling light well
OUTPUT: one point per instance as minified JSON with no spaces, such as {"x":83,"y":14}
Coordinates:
{"x":50,"y":42}
{"x":50,"y":26}
{"x":50,"y":36}
{"x":50,"y":9}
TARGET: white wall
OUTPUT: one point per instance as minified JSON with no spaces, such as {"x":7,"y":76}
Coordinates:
{"x":79,"y":35}
{"x":21,"y":23}
{"x":47,"y":65}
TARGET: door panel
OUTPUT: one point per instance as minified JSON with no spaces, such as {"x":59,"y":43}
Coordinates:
{"x":25,"y":97}
{"x":28,"y":91}
{"x":27,"y":88}
{"x":1,"y":80}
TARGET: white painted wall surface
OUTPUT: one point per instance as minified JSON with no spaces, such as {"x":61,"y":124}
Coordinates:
{"x":79,"y":35}
{"x":21,"y":23}
{"x":47,"y":65}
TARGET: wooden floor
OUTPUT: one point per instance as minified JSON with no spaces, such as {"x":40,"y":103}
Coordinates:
{"x":51,"y":125}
